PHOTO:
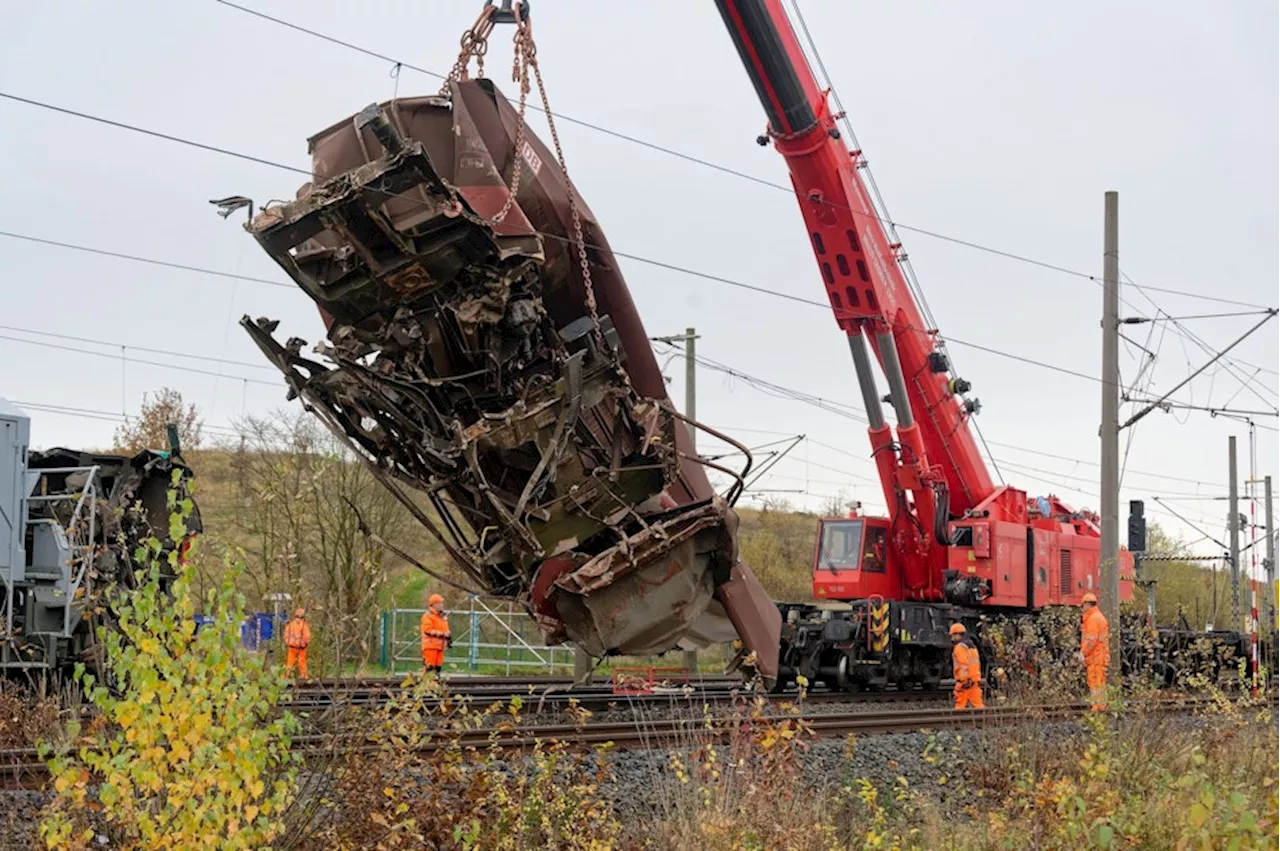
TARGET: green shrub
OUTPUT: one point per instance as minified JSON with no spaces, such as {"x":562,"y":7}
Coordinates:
{"x":188,"y":749}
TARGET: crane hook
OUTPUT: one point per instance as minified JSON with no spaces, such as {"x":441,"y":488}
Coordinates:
{"x":506,"y":13}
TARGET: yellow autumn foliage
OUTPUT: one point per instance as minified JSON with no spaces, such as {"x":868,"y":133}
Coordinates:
{"x":193,"y":751}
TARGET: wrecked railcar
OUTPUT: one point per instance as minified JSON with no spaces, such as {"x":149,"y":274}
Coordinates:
{"x":483,"y":349}
{"x":71,"y":523}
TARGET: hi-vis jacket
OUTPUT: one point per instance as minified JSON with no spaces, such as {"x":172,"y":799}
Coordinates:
{"x":966,"y":666}
{"x":435,"y":631}
{"x":1095,"y":638}
{"x":297,"y":633}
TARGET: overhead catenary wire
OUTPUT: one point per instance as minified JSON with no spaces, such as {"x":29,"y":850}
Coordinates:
{"x":856,"y":414}
{"x":170,"y":352}
{"x":674,"y":267}
{"x":161,"y":365}
{"x":112,"y":416}
{"x":233,"y":431}
{"x":1188,"y":334}
{"x":638,"y":258}
{"x":151,"y":261}
{"x":227,"y":152}
{"x":219,"y":273}
{"x":625,"y":255}
{"x":709,"y":164}
{"x":881,"y":213}
{"x":776,"y":389}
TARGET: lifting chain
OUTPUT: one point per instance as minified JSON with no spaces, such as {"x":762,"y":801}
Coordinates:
{"x":475,"y":42}
{"x":571,"y":192}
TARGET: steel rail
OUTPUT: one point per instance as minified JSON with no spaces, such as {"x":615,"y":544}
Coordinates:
{"x":20,"y":768}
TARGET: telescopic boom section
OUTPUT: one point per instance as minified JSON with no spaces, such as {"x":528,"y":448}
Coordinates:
{"x":936,"y":458}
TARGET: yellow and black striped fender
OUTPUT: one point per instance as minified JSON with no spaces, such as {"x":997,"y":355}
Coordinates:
{"x":879,"y":617}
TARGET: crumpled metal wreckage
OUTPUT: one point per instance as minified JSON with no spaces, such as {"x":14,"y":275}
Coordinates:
{"x":470,"y":358}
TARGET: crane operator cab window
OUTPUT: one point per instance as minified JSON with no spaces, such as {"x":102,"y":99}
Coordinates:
{"x":845,"y":546}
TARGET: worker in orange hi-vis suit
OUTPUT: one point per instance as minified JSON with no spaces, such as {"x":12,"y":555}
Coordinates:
{"x":966,"y":667}
{"x":297,"y":635}
{"x":1095,"y":650}
{"x":435,"y":634}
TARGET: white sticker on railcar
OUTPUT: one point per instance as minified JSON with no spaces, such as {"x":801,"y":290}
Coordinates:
{"x":530,"y":156}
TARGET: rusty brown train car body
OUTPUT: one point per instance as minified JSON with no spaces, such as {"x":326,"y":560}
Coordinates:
{"x":482,"y":353}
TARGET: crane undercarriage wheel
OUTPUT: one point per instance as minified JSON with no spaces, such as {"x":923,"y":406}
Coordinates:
{"x":841,"y":680}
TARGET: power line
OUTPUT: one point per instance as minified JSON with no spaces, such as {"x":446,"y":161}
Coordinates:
{"x":789,"y":190}
{"x":1167,"y":318}
{"x":1096,"y":464}
{"x":1182,"y":496}
{"x":147,"y":260}
{"x":673,"y":267}
{"x":127,"y":359}
{"x":78,"y":339}
{"x":111,"y":416}
{"x":232,"y":431}
{"x":1187,"y":333}
{"x":638,"y":258}
{"x":760,"y":384}
{"x":855,"y":414}
{"x":155,"y":134}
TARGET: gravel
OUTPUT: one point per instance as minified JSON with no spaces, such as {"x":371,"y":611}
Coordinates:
{"x":938,"y":766}
{"x":19,"y":819}
{"x":932,"y":764}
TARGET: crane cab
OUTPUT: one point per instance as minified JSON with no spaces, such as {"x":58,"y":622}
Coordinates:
{"x":852,"y":559}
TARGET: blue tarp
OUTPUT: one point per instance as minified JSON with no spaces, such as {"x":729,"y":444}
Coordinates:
{"x":256,"y":628}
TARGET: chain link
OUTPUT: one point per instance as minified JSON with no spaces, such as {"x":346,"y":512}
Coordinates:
{"x":524,"y":59}
{"x":475,"y":42}
{"x":572,"y":192}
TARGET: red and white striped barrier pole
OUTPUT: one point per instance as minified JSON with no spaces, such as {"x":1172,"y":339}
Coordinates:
{"x":1253,"y":630}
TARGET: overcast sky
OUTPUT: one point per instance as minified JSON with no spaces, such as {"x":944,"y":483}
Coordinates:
{"x":997,"y":123}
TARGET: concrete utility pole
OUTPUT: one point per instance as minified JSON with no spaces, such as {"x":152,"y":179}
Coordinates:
{"x":1270,"y":564}
{"x":689,"y":339}
{"x":691,"y":383}
{"x":1233,"y":529}
{"x":1109,"y":559}
{"x":691,"y":411}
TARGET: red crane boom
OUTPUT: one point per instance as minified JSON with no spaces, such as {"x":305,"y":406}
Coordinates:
{"x":951,"y":533}
{"x":935,"y":457}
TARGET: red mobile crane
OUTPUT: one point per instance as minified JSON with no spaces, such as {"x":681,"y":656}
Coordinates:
{"x":955,"y":544}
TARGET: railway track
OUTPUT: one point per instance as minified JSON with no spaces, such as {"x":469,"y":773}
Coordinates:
{"x":555,"y":693}
{"x":21,"y":768}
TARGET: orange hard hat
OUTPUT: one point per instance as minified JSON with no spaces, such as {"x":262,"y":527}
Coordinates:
{"x":299,"y":612}
{"x":435,"y":598}
{"x":1089,"y":597}
{"x":957,"y":629}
